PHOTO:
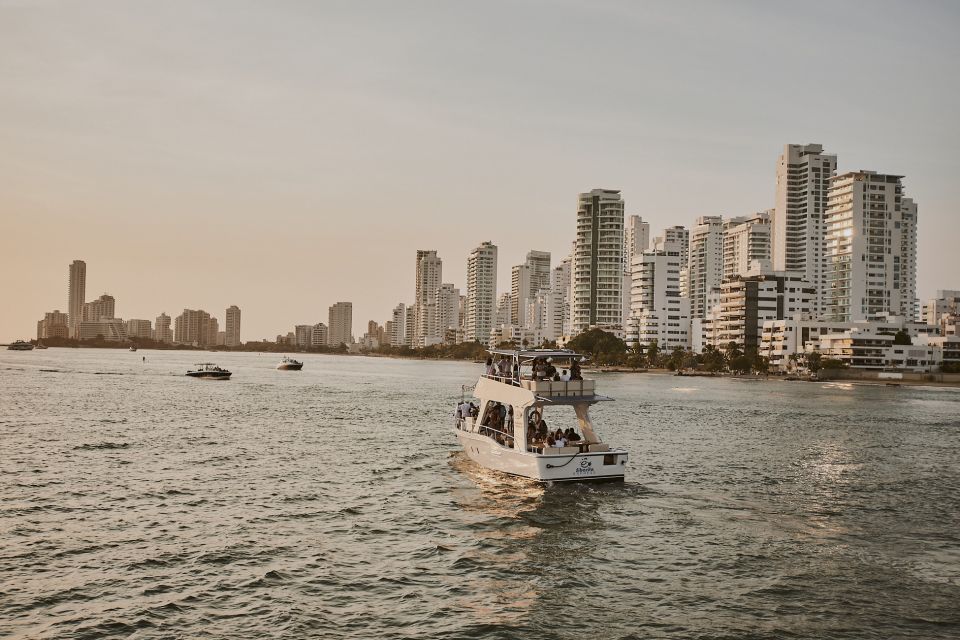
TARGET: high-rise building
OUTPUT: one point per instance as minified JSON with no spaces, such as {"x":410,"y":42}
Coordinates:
{"x":161,"y":330}
{"x":340,"y":324}
{"x":745,"y":239}
{"x":943,"y":311}
{"x":759,"y":295}
{"x":519,"y":295}
{"x":192,"y":327}
{"x":598,"y":261}
{"x":232,"y":326}
{"x":76,"y":295}
{"x":303,"y":335}
{"x":705,"y":264}
{"x":103,"y":308}
{"x":657,"y":311}
{"x":410,"y":324}
{"x":504,"y":310}
{"x":399,"y":326}
{"x":213,"y":330}
{"x":429,"y":274}
{"x":561,"y":284}
{"x":448,"y":310}
{"x":538,"y":262}
{"x":871,"y":248}
{"x":54,"y":325}
{"x":636,"y":239}
{"x":481,"y":292}
{"x":678,"y":235}
{"x":139,"y":329}
{"x":798,"y":227}
{"x":319,"y":335}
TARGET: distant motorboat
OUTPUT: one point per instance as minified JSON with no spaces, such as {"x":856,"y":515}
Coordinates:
{"x":289,"y":364}
{"x":42,"y":346}
{"x":133,"y":347}
{"x":20,"y":345}
{"x":209,"y":371}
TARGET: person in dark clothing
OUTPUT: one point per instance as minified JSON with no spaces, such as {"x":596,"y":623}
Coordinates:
{"x":575,"y":371}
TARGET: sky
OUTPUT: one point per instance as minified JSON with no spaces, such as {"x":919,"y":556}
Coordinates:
{"x":283,"y":156}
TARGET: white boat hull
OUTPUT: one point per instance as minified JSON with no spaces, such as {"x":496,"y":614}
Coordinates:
{"x":568,"y":467}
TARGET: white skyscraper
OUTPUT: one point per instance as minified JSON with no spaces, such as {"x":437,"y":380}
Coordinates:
{"x":598,"y":261}
{"x":705,"y":265}
{"x":398,"y":334}
{"x":161,"y":329}
{"x":636,"y":238}
{"x":340,"y":325}
{"x":871,"y":248}
{"x":232,"y":326}
{"x":798,"y":224}
{"x":745,"y":239}
{"x":561,"y":284}
{"x":76,"y":295}
{"x":429,"y":274}
{"x":678,"y":235}
{"x":526,"y":280}
{"x":657,"y":311}
{"x":481,"y":292}
{"x":448,"y":309}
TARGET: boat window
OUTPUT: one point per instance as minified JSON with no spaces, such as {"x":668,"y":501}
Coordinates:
{"x":545,"y":425}
{"x":609,"y":459}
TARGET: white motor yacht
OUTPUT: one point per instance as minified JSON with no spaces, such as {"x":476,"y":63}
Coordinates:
{"x":507,"y":431}
{"x":289,"y":364}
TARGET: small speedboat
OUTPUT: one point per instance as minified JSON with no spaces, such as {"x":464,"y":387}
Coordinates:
{"x":289,"y":364}
{"x":42,"y":346}
{"x":20,"y":345}
{"x":209,"y":371}
{"x":133,"y":347}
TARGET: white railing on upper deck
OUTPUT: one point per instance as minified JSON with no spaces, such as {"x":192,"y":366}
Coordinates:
{"x":556,"y":388}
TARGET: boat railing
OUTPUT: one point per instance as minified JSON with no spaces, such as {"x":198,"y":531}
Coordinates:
{"x":560,"y":388}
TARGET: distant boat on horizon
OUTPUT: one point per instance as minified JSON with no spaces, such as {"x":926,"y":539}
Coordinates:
{"x":20,"y":345}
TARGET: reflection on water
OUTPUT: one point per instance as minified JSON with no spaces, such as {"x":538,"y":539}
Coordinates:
{"x":336,"y":503}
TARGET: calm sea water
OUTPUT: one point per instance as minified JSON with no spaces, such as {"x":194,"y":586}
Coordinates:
{"x":334,"y":503}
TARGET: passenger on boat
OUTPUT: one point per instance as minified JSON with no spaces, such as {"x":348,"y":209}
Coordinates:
{"x":561,"y":441}
{"x":549,"y":370}
{"x":491,"y":371}
{"x":503,"y":367}
{"x":539,"y":369}
{"x":571,"y":435}
{"x":550,"y":442}
{"x":564,"y":377}
{"x":542,"y":432}
{"x":575,"y":371}
{"x":534,"y":420}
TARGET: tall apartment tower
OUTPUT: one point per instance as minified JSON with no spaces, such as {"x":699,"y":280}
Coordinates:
{"x":745,"y":239}
{"x":657,"y":311}
{"x":526,"y":281}
{"x":871,"y":248}
{"x":340,"y":324}
{"x":481,"y":292}
{"x":103,"y":308}
{"x":539,"y":264}
{"x":798,"y":225}
{"x":598,"y":261}
{"x":678,"y":235}
{"x":429,"y":275}
{"x":636,"y":238}
{"x":448,"y":309}
{"x":705,"y":265}
{"x":161,"y":329}
{"x":561,"y":283}
{"x":232,"y":326}
{"x":398,"y":333}
{"x":76,"y":294}
{"x":192,"y":327}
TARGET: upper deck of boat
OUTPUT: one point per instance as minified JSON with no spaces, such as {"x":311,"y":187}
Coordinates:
{"x":541,"y":388}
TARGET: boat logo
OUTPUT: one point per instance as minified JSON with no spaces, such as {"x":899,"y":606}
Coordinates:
{"x":584,"y":463}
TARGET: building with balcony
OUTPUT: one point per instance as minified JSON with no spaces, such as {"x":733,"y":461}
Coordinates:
{"x":745,"y":239}
{"x":598,"y":261}
{"x":871,"y":248}
{"x":481,"y":303}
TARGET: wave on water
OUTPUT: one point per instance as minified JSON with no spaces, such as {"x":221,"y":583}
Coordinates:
{"x":102,"y":445}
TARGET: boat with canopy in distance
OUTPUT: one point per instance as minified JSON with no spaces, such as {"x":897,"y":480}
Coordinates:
{"x":209,"y":371}
{"x":508,"y":431}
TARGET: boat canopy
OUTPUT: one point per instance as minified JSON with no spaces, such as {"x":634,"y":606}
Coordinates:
{"x":529,"y":354}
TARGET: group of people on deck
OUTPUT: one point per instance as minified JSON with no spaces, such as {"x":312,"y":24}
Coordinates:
{"x":540,"y":436}
{"x":542,"y":369}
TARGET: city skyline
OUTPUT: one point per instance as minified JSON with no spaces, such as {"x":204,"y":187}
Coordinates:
{"x":192,"y":199}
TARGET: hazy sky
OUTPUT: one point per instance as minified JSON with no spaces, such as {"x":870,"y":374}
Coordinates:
{"x":282,"y":156}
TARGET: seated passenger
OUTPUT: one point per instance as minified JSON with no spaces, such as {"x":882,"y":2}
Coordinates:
{"x":561,"y":442}
{"x":549,"y":370}
{"x":503,"y":367}
{"x":558,"y":434}
{"x":550,"y":442}
{"x":575,"y":371}
{"x":564,"y":377}
{"x":542,"y":432}
{"x":573,"y":436}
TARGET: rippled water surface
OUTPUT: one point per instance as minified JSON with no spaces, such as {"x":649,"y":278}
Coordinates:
{"x":334,"y":503}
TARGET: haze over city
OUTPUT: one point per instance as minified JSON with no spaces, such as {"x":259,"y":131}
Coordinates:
{"x":284,"y":157}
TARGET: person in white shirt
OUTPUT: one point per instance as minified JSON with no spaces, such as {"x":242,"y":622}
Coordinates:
{"x":564,"y":377}
{"x":561,"y":442}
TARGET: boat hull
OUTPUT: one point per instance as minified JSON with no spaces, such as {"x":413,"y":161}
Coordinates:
{"x":290,"y":367}
{"x":210,"y":375}
{"x":608,"y":466}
